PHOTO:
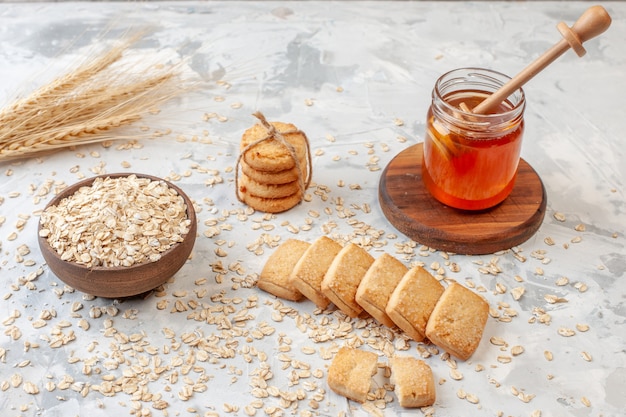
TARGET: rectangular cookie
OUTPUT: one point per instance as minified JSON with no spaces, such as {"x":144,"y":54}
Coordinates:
{"x":350,"y":373}
{"x":413,"y":300}
{"x":377,"y":285}
{"x":274,"y":277}
{"x":458,"y":321}
{"x":309,"y":272}
{"x":413,"y":381}
{"x":344,"y":276}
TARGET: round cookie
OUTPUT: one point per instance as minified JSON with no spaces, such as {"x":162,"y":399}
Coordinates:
{"x":280,"y":177}
{"x":271,"y":155}
{"x":249,"y":186}
{"x":270,"y":205}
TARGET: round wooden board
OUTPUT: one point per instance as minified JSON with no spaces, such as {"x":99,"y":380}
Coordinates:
{"x":412,"y":210}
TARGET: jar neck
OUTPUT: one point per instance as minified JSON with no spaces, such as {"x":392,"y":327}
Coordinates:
{"x":471,"y":86}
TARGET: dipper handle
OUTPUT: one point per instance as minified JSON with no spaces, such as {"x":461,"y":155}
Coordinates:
{"x":590,"y":24}
{"x":594,"y":21}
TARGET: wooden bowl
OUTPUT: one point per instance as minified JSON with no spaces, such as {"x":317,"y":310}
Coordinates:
{"x":120,"y":281}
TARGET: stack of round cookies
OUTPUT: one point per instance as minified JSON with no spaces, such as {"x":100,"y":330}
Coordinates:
{"x":275,"y":166}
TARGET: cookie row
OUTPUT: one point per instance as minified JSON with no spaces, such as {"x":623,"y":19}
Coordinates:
{"x":275,"y":166}
{"x":451,"y":317}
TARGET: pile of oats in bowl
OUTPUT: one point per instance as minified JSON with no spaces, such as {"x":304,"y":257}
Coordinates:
{"x":116,"y":221}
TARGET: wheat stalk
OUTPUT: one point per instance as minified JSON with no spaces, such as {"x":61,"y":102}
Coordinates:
{"x":86,"y":105}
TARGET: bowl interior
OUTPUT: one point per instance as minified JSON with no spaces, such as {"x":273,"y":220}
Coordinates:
{"x":120,"y":281}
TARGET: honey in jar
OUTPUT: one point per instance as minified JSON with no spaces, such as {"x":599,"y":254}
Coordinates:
{"x":470,"y":160}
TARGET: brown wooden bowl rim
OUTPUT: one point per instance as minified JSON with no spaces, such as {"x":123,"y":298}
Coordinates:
{"x":47,"y":250}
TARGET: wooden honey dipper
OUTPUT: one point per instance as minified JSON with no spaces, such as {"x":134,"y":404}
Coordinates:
{"x":590,"y":24}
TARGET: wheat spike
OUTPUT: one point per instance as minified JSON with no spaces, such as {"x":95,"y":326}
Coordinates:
{"x":86,"y":104}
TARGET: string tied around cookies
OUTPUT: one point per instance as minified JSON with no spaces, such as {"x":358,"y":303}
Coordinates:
{"x":273,"y":134}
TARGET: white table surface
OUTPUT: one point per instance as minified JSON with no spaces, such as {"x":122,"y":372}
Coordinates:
{"x":360,"y":73}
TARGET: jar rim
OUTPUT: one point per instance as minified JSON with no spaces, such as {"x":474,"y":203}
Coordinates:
{"x":484,"y":80}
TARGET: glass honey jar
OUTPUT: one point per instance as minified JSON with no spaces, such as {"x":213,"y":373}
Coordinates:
{"x":470,"y":160}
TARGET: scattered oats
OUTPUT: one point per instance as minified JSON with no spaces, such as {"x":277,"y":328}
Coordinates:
{"x":83,"y":324}
{"x":553,"y":299}
{"x":38,"y":324}
{"x":582,"y":327}
{"x":16,"y":380}
{"x":64,"y":324}
{"x":562,"y":281}
{"x":504,"y":359}
{"x":548,"y":355}
{"x":160,"y":405}
{"x":497,"y":341}
{"x":23,"y":250}
{"x":454,"y":267}
{"x":559,"y":216}
{"x":112,"y":311}
{"x":308,"y":350}
{"x":95,"y":312}
{"x":586,"y":356}
{"x":576,"y":239}
{"x":517,"y":293}
{"x":525,"y":398}
{"x":14,"y":332}
{"x":372,"y":410}
{"x":581,"y":287}
{"x":456,"y":374}
{"x":277,"y":316}
{"x":73,"y":359}
{"x":585,"y":401}
{"x":30,"y":388}
{"x":549,"y":241}
{"x":565,"y":332}
{"x":472,"y":399}
{"x":517,"y":350}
